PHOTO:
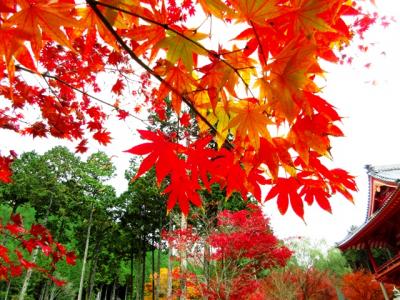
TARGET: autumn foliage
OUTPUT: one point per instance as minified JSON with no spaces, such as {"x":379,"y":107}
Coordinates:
{"x":362,"y":285}
{"x":299,"y":283}
{"x":14,"y":262}
{"x":242,"y":246}
{"x":256,"y":97}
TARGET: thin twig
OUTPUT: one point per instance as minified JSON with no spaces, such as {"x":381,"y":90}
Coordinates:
{"x":93,"y":5}
{"x":46,"y":75}
{"x":167,"y":27}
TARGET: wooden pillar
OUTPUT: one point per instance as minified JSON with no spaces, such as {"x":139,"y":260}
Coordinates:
{"x":375,"y":268}
{"x":372,"y":259}
{"x":384,"y":292}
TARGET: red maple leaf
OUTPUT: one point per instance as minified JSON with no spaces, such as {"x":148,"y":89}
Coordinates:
{"x":103,"y":137}
{"x":56,"y":281}
{"x":17,"y":219}
{"x":160,"y":152}
{"x":29,"y":245}
{"x":122,"y":114}
{"x":182,"y":189}
{"x":5,"y":168}
{"x":16,"y":271}
{"x":38,"y":230}
{"x":70,"y":258}
{"x":15,"y":229}
{"x":286,"y":189}
{"x":82,"y":148}
{"x":118,"y":87}
{"x":316,"y":190}
{"x":185,"y":119}
{"x":4,"y":254}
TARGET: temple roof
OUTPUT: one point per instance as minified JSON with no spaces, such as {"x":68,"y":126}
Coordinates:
{"x":389,"y":173}
{"x":381,"y":229}
{"x":355,"y":239}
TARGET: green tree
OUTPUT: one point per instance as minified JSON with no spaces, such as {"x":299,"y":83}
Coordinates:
{"x":65,"y":191}
{"x":142,"y":219}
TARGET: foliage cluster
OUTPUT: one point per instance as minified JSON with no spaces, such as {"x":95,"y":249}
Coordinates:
{"x":256,"y":97}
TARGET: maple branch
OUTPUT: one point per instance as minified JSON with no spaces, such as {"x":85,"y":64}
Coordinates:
{"x":167,"y":27}
{"x":3,"y":126}
{"x":93,"y":5}
{"x":46,"y":75}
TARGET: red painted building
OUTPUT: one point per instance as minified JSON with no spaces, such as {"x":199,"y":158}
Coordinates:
{"x":381,"y":228}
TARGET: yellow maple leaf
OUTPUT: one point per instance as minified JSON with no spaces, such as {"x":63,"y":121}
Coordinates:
{"x":220,"y":118}
{"x":181,"y":48}
{"x":215,"y":7}
{"x":250,"y":122}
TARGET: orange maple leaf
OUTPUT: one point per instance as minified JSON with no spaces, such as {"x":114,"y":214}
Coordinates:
{"x":313,"y":133}
{"x":256,"y":11}
{"x":250,"y":122}
{"x":290,"y":75}
{"x":12,"y":47}
{"x":176,"y":79}
{"x":150,"y":34}
{"x":88,"y":20}
{"x":44,"y":17}
{"x":306,"y":15}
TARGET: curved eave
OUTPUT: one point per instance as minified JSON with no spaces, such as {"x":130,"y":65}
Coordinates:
{"x":356,"y":239}
{"x":388,"y":174}
{"x":372,"y":182}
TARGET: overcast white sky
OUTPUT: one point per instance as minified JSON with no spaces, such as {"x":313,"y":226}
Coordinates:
{"x":367,"y":98}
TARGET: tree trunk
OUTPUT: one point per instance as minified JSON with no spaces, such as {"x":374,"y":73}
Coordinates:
{"x":92,"y":274}
{"x":46,"y":290}
{"x":53,"y":292}
{"x":126,"y":292}
{"x":143,"y":267}
{"x":105,"y":294}
{"x":28,"y":276}
{"x":158,"y":279}
{"x":152,"y":271}
{"x":138,"y":276}
{"x":206,"y":264}
{"x":8,"y":289}
{"x":98,"y":297}
{"x":183,"y":257}
{"x":85,"y":254}
{"x":43,"y":290}
{"x":114,"y":289}
{"x":169,"y":282}
{"x":130,"y":283}
{"x":384,"y":292}
{"x":158,"y":267}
